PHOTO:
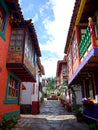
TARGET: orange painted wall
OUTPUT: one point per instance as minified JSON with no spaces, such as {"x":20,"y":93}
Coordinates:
{"x":70,"y":71}
{"x":4,"y":108}
{"x":75,"y":65}
{"x":69,"y":75}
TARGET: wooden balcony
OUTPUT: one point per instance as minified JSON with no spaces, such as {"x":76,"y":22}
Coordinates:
{"x":21,"y":67}
{"x":18,"y":59}
{"x":89,"y":39}
{"x":88,"y":55}
{"x":23,"y":50}
{"x":85,"y":42}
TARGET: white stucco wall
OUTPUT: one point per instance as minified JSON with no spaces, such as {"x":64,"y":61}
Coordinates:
{"x":34,"y":96}
{"x":30,"y":94}
{"x":25,"y":97}
{"x":78,"y":94}
{"x":32,"y":91}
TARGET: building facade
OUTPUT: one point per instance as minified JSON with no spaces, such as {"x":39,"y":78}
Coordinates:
{"x":82,"y":54}
{"x":61,"y":72}
{"x":61,"y":77}
{"x":18,"y":56}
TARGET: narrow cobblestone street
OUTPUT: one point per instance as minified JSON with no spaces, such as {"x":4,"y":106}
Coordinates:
{"x":52,"y":117}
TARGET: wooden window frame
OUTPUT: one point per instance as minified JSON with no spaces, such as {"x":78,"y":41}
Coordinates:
{"x":16,"y":40}
{"x":12,"y":99}
{"x":29,"y":49}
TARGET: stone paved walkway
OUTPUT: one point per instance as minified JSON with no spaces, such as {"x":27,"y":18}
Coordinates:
{"x":52,"y":117}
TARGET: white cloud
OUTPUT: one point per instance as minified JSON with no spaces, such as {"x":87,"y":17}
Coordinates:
{"x":35,"y":18}
{"x":59,"y":27}
{"x":50,"y":67}
{"x":20,"y":1}
{"x":41,"y":10}
{"x":44,"y":7}
{"x":58,"y":30}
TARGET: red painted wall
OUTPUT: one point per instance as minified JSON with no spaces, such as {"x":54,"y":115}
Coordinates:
{"x":76,"y":63}
{"x":35,"y":107}
{"x":4,"y":108}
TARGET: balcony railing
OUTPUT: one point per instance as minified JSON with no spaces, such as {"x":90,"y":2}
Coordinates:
{"x":85,"y":42}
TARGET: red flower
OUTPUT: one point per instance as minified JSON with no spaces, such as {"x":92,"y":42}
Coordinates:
{"x":87,"y":102}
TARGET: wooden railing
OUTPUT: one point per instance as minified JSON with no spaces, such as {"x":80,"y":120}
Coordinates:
{"x":85,"y":42}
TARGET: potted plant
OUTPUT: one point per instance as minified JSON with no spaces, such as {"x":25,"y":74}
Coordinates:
{"x":88,"y":103}
{"x":93,"y":126}
{"x":79,"y":115}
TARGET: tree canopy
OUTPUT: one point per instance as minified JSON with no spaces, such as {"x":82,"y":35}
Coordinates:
{"x":51,"y":84}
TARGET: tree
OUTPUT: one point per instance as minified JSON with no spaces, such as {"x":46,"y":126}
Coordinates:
{"x":51,"y":84}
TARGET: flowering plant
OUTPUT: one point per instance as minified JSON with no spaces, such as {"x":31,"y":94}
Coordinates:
{"x":87,"y":102}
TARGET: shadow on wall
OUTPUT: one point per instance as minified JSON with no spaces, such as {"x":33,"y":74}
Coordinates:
{"x":25,"y":109}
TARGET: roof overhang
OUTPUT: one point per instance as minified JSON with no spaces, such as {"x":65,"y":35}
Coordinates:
{"x":14,"y":9}
{"x":21,"y":72}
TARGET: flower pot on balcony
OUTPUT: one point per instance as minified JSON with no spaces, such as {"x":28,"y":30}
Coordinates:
{"x":88,"y":103}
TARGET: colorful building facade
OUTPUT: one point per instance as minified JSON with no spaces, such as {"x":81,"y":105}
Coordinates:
{"x":82,"y":54}
{"x":18,"y":56}
{"x":61,"y":77}
{"x":61,"y":72}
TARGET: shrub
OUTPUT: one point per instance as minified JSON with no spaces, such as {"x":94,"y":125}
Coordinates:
{"x":8,"y":123}
{"x":93,"y":126}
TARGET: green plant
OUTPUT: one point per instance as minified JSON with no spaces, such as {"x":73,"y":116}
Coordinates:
{"x":8,"y":123}
{"x":78,"y":113}
{"x":78,"y":110}
{"x":93,"y":126}
{"x":76,"y":107}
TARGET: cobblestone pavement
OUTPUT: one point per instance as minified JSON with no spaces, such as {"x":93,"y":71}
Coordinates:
{"x":52,"y":117}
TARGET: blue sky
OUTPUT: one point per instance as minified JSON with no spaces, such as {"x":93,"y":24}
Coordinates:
{"x":51,"y":20}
